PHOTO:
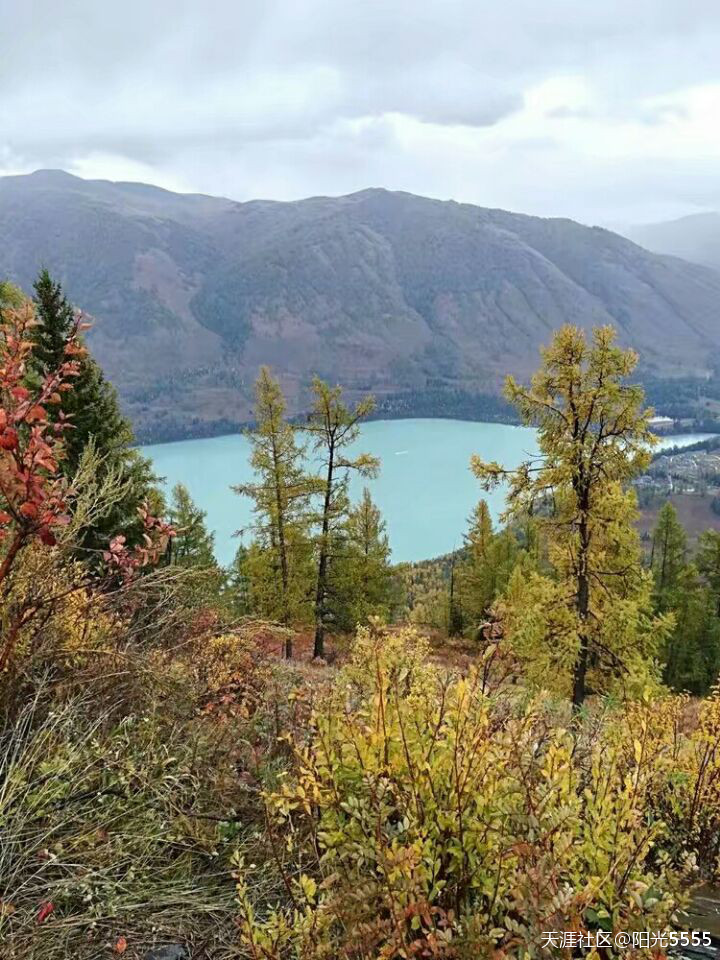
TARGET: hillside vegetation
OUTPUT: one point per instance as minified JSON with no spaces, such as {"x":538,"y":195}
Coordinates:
{"x":427,"y":304}
{"x":312,"y":755}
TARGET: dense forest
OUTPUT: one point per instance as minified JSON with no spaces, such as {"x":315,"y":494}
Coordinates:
{"x":317,"y":754}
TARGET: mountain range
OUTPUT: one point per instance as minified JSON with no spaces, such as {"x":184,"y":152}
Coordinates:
{"x":413,"y":299}
{"x":695,"y":238}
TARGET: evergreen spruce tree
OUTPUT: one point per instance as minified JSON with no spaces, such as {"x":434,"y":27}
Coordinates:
{"x":593,"y":616}
{"x":192,"y":549}
{"x":708,"y":562}
{"x":476,"y":575}
{"x":455,"y":614}
{"x":237,"y":584}
{"x":668,"y":557}
{"x":192,"y":545}
{"x":56,"y":319}
{"x":361,"y":581}
{"x":278,"y":562}
{"x":692,"y":656}
{"x":487,"y":562}
{"x":93,"y":409}
{"x":333,"y":427}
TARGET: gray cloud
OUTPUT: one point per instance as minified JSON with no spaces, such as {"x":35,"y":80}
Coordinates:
{"x":294,"y":97}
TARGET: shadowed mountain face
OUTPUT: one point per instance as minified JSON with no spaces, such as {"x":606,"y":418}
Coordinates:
{"x":380,"y":291}
{"x":695,"y":238}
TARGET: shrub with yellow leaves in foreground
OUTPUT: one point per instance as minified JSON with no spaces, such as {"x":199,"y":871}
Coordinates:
{"x":426,"y":819}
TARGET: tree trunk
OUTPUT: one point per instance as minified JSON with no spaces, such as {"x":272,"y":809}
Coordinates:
{"x":284,"y":575}
{"x":319,"y":648}
{"x":664,"y":558}
{"x":581,"y":664}
{"x":582,"y":605}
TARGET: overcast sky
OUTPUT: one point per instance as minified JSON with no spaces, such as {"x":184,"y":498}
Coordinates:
{"x":607,"y":111}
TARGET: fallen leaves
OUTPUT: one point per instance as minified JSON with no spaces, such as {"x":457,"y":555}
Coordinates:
{"x":45,"y":910}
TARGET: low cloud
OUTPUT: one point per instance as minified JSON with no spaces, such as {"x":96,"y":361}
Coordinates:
{"x":547,"y":108}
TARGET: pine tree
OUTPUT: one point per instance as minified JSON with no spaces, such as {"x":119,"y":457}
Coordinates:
{"x":192,"y":549}
{"x":56,"y":318}
{"x":94,"y":412}
{"x":237,"y":584}
{"x":361,"y":581}
{"x":593,"y":436}
{"x":333,"y":427}
{"x":278,"y":560}
{"x":668,"y":557}
{"x":708,"y":562}
{"x":192,"y":545}
{"x":692,"y":657}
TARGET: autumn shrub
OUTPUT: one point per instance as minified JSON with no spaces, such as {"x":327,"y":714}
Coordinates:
{"x":132,"y":755}
{"x":126,"y":789}
{"x":121,"y":793}
{"x":425,"y":819}
{"x":683,"y":741}
{"x":78,"y":632}
{"x":233,"y":671}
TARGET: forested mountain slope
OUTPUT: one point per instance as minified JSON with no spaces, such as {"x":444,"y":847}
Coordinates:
{"x":380,"y":291}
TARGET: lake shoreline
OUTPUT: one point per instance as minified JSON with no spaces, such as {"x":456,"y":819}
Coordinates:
{"x":142,"y":440}
{"x":425,"y":489}
{"x":297,"y":421}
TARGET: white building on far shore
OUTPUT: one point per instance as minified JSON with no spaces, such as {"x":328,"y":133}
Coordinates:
{"x":660,"y":424}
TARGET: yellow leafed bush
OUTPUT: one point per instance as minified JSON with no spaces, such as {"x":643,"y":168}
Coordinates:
{"x":425,"y":819}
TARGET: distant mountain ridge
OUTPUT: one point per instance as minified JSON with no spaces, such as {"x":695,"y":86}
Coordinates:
{"x":695,"y":238}
{"x":404,"y":296}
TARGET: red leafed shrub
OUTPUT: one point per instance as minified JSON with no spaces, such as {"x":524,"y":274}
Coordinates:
{"x":32,"y":487}
{"x":33,"y":491}
{"x":128,"y":560}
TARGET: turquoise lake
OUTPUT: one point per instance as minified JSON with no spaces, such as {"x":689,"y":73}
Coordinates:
{"x":425,"y":488}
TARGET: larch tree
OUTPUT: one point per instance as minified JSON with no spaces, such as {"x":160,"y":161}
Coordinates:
{"x":333,"y":427}
{"x":594,"y":611}
{"x":277,"y":563}
{"x":11,"y":297}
